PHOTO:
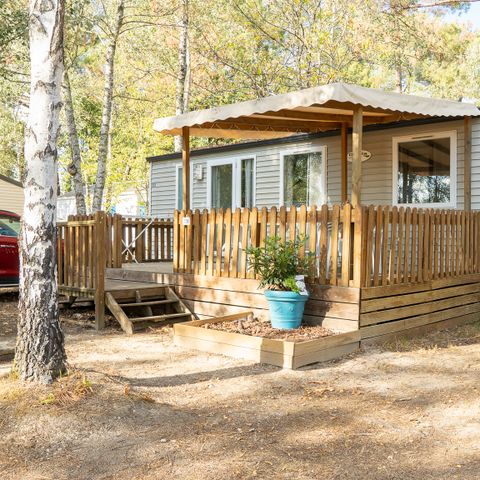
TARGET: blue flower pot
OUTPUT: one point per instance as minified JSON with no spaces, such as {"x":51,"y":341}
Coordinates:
{"x":286,"y":308}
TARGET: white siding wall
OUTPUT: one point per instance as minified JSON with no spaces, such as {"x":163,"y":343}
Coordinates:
{"x":11,"y":197}
{"x":377,"y":171}
{"x":476,"y":164}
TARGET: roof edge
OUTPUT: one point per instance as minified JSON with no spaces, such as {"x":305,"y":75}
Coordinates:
{"x":11,"y":180}
{"x":295,"y":138}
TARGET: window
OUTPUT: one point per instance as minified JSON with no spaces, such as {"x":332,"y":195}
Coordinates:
{"x":231,"y":183}
{"x":222,"y":186}
{"x":303,"y":180}
{"x":425,"y":169}
{"x":246,"y":186}
{"x":9,"y":226}
{"x":179,"y":192}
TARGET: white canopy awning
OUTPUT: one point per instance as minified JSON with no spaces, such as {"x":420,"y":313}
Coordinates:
{"x":308,"y":111}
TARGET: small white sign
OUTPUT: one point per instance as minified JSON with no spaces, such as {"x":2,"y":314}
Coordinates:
{"x":186,"y":221}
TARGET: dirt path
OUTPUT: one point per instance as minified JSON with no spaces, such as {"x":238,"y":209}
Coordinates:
{"x":149,"y":410}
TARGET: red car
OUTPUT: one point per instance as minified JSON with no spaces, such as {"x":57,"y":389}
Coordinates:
{"x":9,"y":258}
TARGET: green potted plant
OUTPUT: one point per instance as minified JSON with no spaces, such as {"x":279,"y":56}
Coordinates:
{"x":281,"y":268}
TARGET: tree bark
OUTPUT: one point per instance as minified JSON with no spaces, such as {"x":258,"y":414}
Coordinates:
{"x":107,"y":110}
{"x":40,"y":354}
{"x":75,"y":167}
{"x":183,"y":85}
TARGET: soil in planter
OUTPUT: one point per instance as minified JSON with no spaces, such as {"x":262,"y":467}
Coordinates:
{"x":256,"y":328}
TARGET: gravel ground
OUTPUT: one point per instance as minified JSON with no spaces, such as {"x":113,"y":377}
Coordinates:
{"x":139,"y":407}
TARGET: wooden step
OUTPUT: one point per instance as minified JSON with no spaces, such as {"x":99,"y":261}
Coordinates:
{"x":146,"y":304}
{"x":160,"y":318}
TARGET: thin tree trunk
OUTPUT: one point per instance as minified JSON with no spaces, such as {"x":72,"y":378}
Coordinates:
{"x":107,"y":111}
{"x":183,"y":85}
{"x":40,"y":354}
{"x":75,"y":167}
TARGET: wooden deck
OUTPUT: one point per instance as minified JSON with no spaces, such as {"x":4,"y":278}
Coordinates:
{"x":112,"y":285}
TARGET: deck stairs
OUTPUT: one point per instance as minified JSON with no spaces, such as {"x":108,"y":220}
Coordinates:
{"x":136,"y":310}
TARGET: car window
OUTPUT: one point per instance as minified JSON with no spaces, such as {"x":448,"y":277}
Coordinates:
{"x":9,"y":226}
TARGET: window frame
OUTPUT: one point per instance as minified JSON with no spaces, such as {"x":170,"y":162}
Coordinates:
{"x":452,"y":134}
{"x":236,"y":162}
{"x":178,"y":167}
{"x":300,"y":151}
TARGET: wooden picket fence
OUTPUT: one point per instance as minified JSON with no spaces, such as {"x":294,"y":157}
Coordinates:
{"x":410,"y":245}
{"x":214,"y":242}
{"x":87,"y":244}
{"x":364,"y":247}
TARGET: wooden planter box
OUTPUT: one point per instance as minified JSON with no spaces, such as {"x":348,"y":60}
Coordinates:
{"x":281,"y":353}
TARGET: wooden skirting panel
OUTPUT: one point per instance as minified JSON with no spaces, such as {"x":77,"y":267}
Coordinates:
{"x":207,"y":296}
{"x":401,"y":310}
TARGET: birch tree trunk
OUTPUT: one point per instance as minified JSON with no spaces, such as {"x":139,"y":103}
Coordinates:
{"x":107,"y":110}
{"x":75,"y":167}
{"x":40,"y":354}
{"x":183,"y":85}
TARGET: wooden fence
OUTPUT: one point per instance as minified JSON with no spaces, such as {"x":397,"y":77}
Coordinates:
{"x":362,"y":247}
{"x":404,"y":245}
{"x":214,"y":242}
{"x":87,"y":244}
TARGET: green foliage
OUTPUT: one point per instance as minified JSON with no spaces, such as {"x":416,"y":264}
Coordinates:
{"x":238,"y":51}
{"x":277,"y":263}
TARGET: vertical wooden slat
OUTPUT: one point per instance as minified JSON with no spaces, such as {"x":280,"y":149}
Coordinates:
{"x":176,"y":240}
{"x":282,"y":223}
{"x":181,"y":242}
{"x":369,"y":251}
{"x":448,"y":240}
{"x":393,"y":246}
{"x":436,"y":242}
{"x":292,"y":223}
{"x":253,"y":235}
{"x":272,"y":222}
{"x":312,"y":246}
{"x":358,"y":243}
{"x":197,"y":239}
{"x":323,"y":244}
{"x":401,"y":244}
{"x":405,"y":277}
{"x":212,"y":221}
{"x":204,"y":253}
{"x":219,"y":242}
{"x":60,"y":251}
{"x":334,"y":245}
{"x":426,"y":247}
{"x":263,"y":226}
{"x":228,"y":243}
{"x":346,"y":232}
{"x":236,"y":241}
{"x":302,"y":228}
{"x":441,"y":245}
{"x":385,"y":246}
{"x":413,"y":257}
{"x":100,"y":228}
{"x":378,"y":246}
{"x":245,"y":231}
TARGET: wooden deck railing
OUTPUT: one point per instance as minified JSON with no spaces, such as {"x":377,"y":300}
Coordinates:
{"x":214,"y":242}
{"x":88,"y":242}
{"x":404,"y":245}
{"x":361,"y":247}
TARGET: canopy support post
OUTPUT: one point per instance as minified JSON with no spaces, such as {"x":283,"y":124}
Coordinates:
{"x":344,"y":164}
{"x":467,"y":164}
{"x":357,"y":139}
{"x":186,"y":168}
